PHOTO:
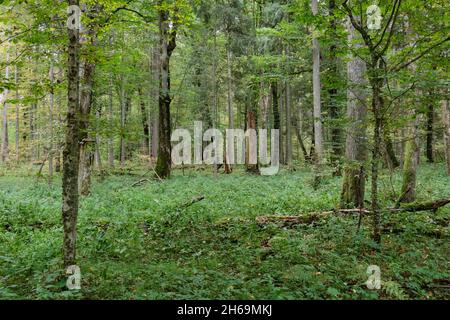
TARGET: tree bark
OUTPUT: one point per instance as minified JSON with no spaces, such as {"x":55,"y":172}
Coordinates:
{"x":86,"y":150}
{"x":334,"y":111}
{"x":5,"y":139}
{"x":353,"y":186}
{"x":168,"y":45}
{"x":430,"y":123}
{"x":71,"y":150}
{"x":318,"y":135}
{"x":17,"y":127}
{"x":408,"y":193}
{"x":145,"y":124}
{"x":50,"y":149}
{"x":446,"y":125}
{"x":111,"y":125}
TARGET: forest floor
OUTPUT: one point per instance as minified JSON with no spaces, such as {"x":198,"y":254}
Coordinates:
{"x":145,"y":242}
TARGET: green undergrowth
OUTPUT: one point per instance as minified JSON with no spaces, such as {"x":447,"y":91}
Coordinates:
{"x":144,"y":242}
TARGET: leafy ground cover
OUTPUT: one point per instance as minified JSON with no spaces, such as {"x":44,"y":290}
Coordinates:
{"x":143,"y":243}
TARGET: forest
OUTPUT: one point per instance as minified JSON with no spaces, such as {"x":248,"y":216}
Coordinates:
{"x":224,"y":149}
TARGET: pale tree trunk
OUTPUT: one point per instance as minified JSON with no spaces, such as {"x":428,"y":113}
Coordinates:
{"x":98,"y":155}
{"x":71,"y":152}
{"x":111,"y":125}
{"x":168,"y":45}
{"x":353,"y":186}
{"x":5,"y":140}
{"x":408,"y":193}
{"x":230,"y":90}
{"x":288,"y":119}
{"x":122,"y":122}
{"x":430,"y":125}
{"x":299,"y":132}
{"x":228,"y":167}
{"x":251,"y":124}
{"x":60,"y":123}
{"x":155,"y":109}
{"x":446,"y":124}
{"x":86,"y":153}
{"x":318,"y":137}
{"x":50,"y":149}
{"x":17,"y":133}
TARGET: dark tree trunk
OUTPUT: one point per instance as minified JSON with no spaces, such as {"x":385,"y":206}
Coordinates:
{"x":430,"y":122}
{"x":168,"y":45}
{"x":145,"y":123}
{"x":333,"y":107}
{"x":71,"y":150}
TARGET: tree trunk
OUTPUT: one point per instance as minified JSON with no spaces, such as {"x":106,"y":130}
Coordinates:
{"x":276,"y":109}
{"x":390,"y":153}
{"x":408,"y":193}
{"x":71,"y":150}
{"x":251,"y":124}
{"x":123,"y":114}
{"x":86,"y":150}
{"x":5,"y":140}
{"x":430,"y":122}
{"x":318,"y":137}
{"x":111,"y":125}
{"x":333,"y":107}
{"x":353,"y":186}
{"x":288,"y":125}
{"x":50,"y":149}
{"x":145,"y":124}
{"x":168,"y":45}
{"x":377,"y":105}
{"x":446,"y":124}
{"x":17,"y":128}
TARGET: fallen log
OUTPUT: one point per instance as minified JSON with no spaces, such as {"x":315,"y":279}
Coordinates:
{"x":309,"y":218}
{"x":424,"y":206}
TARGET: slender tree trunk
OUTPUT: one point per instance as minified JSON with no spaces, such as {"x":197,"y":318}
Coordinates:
{"x":430,"y":122}
{"x":275,"y":107}
{"x":98,"y":156}
{"x":111,"y":125}
{"x":168,"y":45}
{"x":17,"y":133}
{"x":333,"y":107}
{"x":288,"y":125}
{"x":318,"y":135}
{"x":230,"y":90}
{"x":123,"y":113}
{"x":86,"y":153}
{"x":50,"y":149}
{"x":156,"y":70}
{"x":390,"y":152}
{"x":377,"y":105}
{"x":71,"y":150}
{"x":408,"y":193}
{"x":5,"y":139}
{"x":299,"y":132}
{"x":353,"y":186}
{"x":251,"y":124}
{"x":145,"y":124}
{"x":446,"y":124}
